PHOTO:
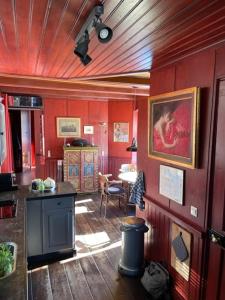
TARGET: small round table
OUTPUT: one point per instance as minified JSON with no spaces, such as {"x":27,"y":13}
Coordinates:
{"x":129,"y":177}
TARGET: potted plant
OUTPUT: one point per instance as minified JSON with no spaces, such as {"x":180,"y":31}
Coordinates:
{"x":7,"y":259}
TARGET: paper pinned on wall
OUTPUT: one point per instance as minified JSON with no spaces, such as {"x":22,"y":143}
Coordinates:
{"x":171,"y":183}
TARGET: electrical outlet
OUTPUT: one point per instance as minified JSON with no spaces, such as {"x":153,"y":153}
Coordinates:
{"x":194,"y":211}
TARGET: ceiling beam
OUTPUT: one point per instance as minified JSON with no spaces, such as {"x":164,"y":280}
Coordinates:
{"x":66,"y":88}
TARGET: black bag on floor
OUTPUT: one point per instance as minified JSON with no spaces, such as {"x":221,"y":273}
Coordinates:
{"x":156,"y":281}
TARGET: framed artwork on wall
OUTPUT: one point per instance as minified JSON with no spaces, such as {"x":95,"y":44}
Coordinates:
{"x":68,"y":127}
{"x":173,"y":122}
{"x":121,"y":132}
{"x":88,"y":129}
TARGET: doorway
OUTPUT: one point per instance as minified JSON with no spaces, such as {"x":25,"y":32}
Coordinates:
{"x":23,"y":145}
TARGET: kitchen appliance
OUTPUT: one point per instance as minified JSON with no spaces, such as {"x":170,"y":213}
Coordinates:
{"x":7,"y":182}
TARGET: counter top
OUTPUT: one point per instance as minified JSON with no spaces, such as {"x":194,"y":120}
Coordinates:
{"x":13,"y":229}
{"x":14,"y":287}
{"x":62,"y":188}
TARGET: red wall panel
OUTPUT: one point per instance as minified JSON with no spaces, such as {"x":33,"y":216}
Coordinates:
{"x":158,"y":248}
{"x":90,"y":113}
{"x":98,"y":117}
{"x":53,"y":108}
{"x":163,"y":81}
{"x":99,"y":114}
{"x":196,"y":70}
{"x":220,"y":65}
{"x":78,"y":109}
{"x":120,"y":112}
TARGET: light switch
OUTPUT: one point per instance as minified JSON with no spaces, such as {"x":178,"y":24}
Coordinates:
{"x":194,"y":211}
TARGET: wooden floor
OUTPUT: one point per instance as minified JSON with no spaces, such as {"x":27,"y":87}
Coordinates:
{"x":92,"y":273}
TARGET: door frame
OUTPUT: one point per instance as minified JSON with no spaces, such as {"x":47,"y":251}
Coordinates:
{"x":212,"y":267}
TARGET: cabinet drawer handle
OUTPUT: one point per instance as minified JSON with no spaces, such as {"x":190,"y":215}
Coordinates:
{"x":59,"y":203}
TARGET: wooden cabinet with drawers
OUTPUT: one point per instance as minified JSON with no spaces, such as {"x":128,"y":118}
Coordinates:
{"x":81,"y":168}
{"x":50,"y":225}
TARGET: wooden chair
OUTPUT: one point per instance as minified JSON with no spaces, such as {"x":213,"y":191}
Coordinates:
{"x":110,"y":190}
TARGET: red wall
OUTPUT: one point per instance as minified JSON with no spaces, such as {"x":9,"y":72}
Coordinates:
{"x":7,"y":165}
{"x":121,"y":111}
{"x":101,"y":115}
{"x":160,"y":212}
{"x":196,"y":70}
{"x":90,"y":113}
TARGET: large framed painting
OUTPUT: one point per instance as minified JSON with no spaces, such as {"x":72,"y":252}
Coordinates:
{"x":173,"y":127}
{"x":121,"y":132}
{"x":68,"y":127}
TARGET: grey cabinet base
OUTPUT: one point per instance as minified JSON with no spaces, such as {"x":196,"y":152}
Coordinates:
{"x":40,"y":260}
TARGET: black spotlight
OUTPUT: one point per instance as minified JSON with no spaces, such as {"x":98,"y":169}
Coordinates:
{"x":82,"y":49}
{"x":85,"y":59}
{"x":104,"y":32}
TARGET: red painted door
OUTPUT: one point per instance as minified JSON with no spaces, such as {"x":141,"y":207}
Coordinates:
{"x":215,"y":289}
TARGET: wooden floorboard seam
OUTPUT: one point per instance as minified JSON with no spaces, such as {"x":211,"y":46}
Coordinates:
{"x":102,"y":276}
{"x":30,"y":290}
{"x":102,"y":221}
{"x":88,"y":221}
{"x":91,"y":256}
{"x":68,"y":281}
{"x":49,"y":281}
{"x":86,"y":281}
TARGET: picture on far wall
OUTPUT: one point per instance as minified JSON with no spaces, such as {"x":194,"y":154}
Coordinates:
{"x":68,"y":127}
{"x":173,"y":127}
{"x":88,"y":129}
{"x":121,"y":132}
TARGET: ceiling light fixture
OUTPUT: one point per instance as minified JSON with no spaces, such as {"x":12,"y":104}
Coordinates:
{"x":82,"y":49}
{"x":104,"y":33}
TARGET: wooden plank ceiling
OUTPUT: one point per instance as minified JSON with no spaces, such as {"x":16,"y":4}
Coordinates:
{"x":37,"y":37}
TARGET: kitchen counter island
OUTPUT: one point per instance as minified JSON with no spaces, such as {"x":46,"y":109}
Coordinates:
{"x":15,"y":230}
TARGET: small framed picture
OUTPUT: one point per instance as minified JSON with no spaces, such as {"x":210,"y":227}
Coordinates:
{"x":68,"y":127}
{"x":88,"y":129}
{"x":121,"y":132}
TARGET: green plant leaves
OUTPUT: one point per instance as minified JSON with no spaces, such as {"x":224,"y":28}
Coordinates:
{"x":6,"y":260}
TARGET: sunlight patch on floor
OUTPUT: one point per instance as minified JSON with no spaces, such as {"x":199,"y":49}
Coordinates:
{"x":92,"y":252}
{"x":93,"y":239}
{"x":83,"y":201}
{"x":38,"y":269}
{"x":82,"y":210}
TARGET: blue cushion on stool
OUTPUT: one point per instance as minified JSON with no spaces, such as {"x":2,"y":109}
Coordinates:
{"x":115,"y":189}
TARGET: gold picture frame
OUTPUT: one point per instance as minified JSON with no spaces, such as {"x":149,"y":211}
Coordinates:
{"x":68,"y":127}
{"x":173,"y":125}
